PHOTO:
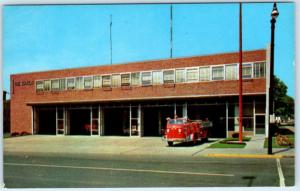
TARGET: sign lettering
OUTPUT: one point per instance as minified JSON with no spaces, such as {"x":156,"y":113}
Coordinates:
{"x":24,"y":83}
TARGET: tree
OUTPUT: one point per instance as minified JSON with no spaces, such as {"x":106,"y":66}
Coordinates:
{"x":283,"y":104}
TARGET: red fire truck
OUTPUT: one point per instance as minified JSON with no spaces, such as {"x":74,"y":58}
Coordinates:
{"x":185,"y":130}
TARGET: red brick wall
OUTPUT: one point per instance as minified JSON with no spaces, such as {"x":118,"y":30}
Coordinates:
{"x":23,"y":95}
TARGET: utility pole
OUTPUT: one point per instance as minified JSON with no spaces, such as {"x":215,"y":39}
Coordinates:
{"x":274,"y":15}
{"x":171,"y":31}
{"x":110,"y":39}
{"x":240,"y":78}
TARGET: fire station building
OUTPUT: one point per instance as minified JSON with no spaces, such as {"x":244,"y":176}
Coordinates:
{"x":134,"y":99}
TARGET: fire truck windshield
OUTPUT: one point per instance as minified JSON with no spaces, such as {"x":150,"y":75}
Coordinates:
{"x":177,"y":121}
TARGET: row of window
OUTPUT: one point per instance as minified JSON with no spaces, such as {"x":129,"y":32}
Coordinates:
{"x":147,"y":78}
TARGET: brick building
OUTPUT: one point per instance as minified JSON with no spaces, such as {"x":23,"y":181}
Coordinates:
{"x":134,"y":99}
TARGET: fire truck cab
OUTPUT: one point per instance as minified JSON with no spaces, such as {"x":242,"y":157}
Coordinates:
{"x":185,"y":130}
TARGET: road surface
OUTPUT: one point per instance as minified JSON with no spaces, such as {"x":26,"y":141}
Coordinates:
{"x":101,"y":171}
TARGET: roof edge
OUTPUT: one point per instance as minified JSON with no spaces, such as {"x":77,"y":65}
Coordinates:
{"x":136,"y":62}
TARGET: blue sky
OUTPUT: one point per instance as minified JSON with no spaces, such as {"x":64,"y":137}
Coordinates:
{"x":39,"y":38}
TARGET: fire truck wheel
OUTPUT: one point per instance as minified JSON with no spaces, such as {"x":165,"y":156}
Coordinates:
{"x":195,"y":139}
{"x":204,"y":139}
{"x":170,"y":143}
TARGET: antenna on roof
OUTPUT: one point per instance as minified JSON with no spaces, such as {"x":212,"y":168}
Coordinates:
{"x":110,"y":38}
{"x":171,"y":31}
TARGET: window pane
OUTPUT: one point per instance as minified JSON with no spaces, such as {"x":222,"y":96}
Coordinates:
{"x":204,"y":74}
{"x":62,"y":84}
{"x":157,"y":77}
{"x":231,"y":72}
{"x":180,"y":75}
{"x":218,"y":73}
{"x":146,"y":78}
{"x":79,"y":83}
{"x":39,"y":86}
{"x":259,"y":69}
{"x":54,"y":85}
{"x":116,"y":80}
{"x":47,"y":84}
{"x":192,"y":74}
{"x":135,"y":79}
{"x":71,"y":83}
{"x":88,"y":82}
{"x":169,"y":76}
{"x":97,"y":81}
{"x":106,"y":81}
{"x":125,"y":79}
{"x":247,"y":71}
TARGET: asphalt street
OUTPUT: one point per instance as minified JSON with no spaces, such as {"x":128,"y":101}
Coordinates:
{"x":42,"y":170}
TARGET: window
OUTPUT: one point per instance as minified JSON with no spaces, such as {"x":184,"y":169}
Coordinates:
{"x":192,"y":75}
{"x":106,"y":81}
{"x":39,"y":86}
{"x":247,"y":71}
{"x":218,"y":73}
{"x":55,"y":85}
{"x":135,"y":79}
{"x":116,"y":80}
{"x":88,"y":82}
{"x":47,"y":85}
{"x":70,"y":83}
{"x":125,"y":79}
{"x":62,"y":84}
{"x":146,"y":78}
{"x":97,"y":81}
{"x":231,"y":72}
{"x":204,"y":74}
{"x":169,"y":76}
{"x":180,"y":75}
{"x":259,"y":69}
{"x":156,"y":77}
{"x":79,"y":83}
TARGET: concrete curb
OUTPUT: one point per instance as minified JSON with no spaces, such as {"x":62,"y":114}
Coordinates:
{"x":261,"y":156}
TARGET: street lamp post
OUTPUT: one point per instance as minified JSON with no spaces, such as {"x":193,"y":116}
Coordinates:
{"x":274,"y":15}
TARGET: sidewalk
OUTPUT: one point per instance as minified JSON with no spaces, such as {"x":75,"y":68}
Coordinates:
{"x":253,"y":149}
{"x":146,"y":146}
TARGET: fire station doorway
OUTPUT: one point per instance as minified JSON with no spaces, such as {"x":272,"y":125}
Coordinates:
{"x":46,"y":121}
{"x":79,"y":121}
{"x":213,"y":112}
{"x":155,"y":119}
{"x":116,"y":121}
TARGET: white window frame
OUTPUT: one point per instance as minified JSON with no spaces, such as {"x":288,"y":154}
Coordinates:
{"x":209,"y":74}
{"x":92,"y":82}
{"x":49,"y":85}
{"x":184,"y":75}
{"x":56,"y":89}
{"x":111,"y":81}
{"x":65,"y":84}
{"x":100,"y":81}
{"x":215,"y":66}
{"x":236,"y":71}
{"x":250,"y":63}
{"x":141,"y":78}
{"x":81,"y":87}
{"x":164,"y":76}
{"x":192,"y":68}
{"x":105,"y":75}
{"x":257,"y":62}
{"x":160,"y":77}
{"x":127,"y":73}
{"x":41,"y":90}
{"x":74,"y":87}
